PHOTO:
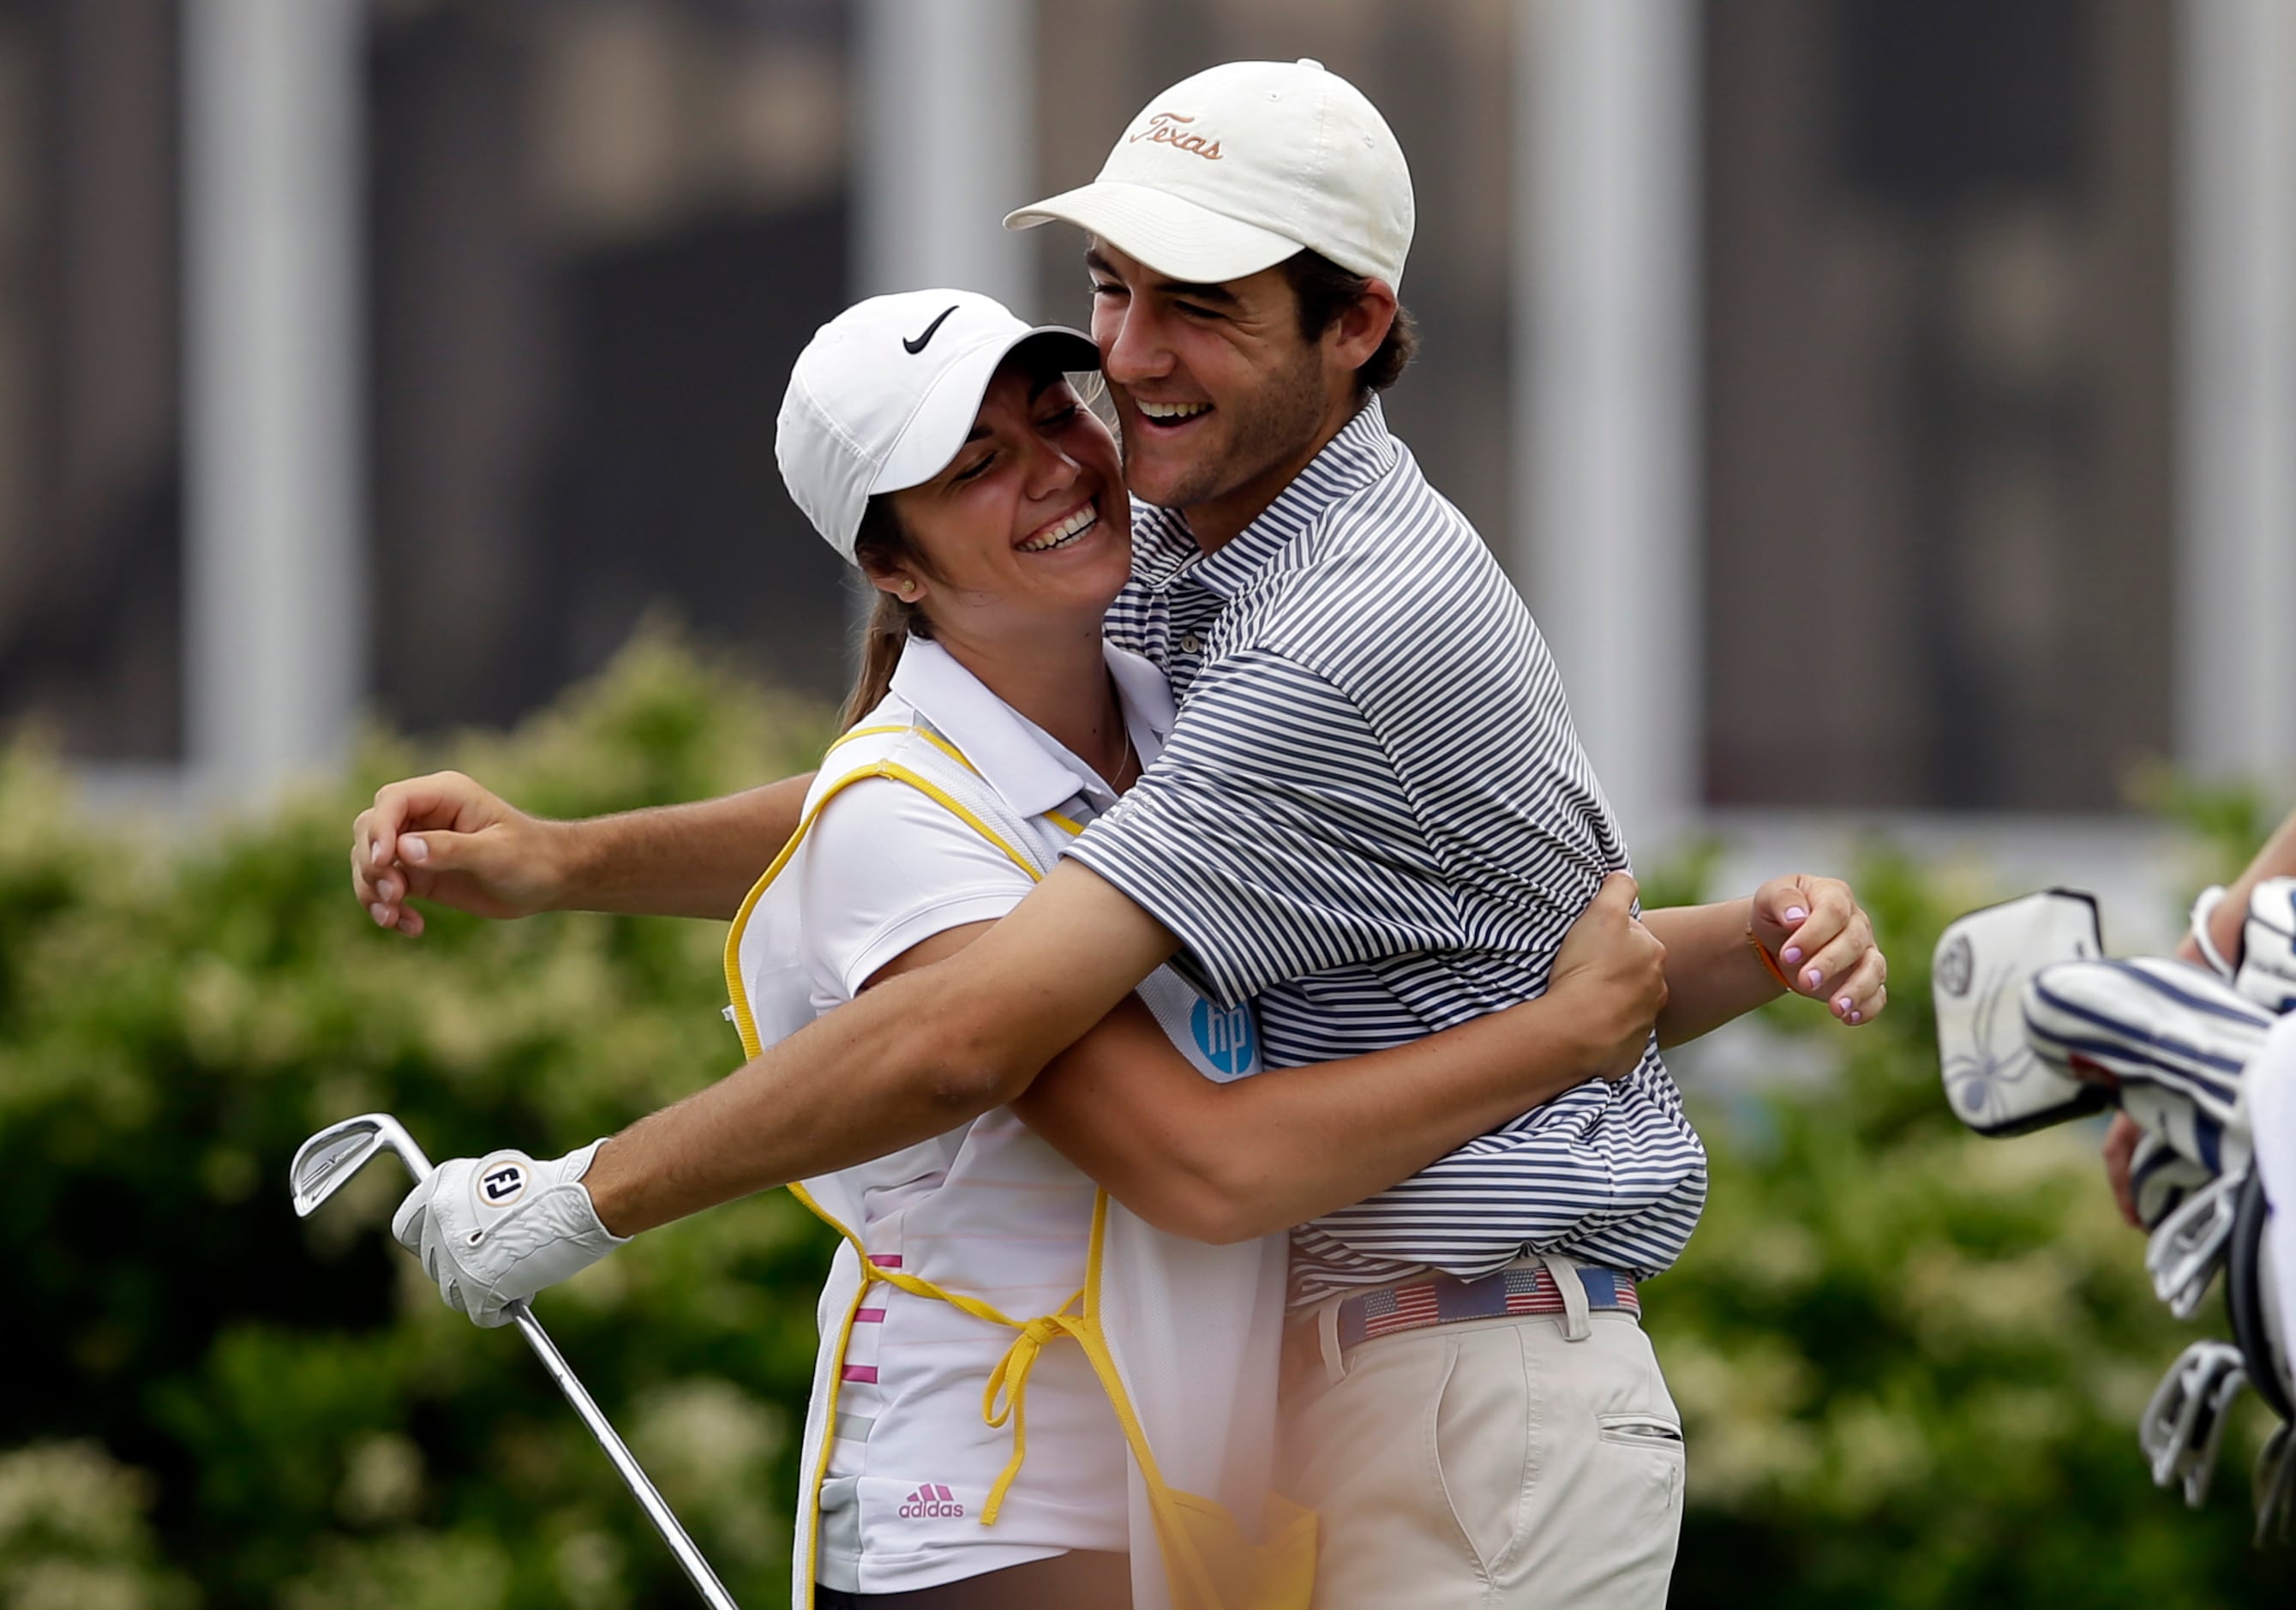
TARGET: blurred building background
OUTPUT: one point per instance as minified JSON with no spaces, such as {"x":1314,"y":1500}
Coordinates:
{"x":1887,"y":405}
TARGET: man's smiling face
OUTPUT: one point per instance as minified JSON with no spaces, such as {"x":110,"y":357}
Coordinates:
{"x":1221,"y":399}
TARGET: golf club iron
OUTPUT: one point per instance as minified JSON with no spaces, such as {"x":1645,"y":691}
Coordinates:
{"x":326,"y":1160}
{"x":2187,"y":1248}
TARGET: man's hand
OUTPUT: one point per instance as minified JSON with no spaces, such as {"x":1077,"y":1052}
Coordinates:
{"x":1824,"y":941}
{"x":445,"y":838}
{"x":493,"y":1229}
{"x":2120,"y":1138}
{"x":1612,"y":970}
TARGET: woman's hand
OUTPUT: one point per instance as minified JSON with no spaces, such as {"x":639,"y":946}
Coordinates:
{"x":1612,"y":972}
{"x":1823,"y":941}
{"x":446,"y":838}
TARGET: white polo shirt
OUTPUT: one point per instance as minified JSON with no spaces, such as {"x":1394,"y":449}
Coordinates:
{"x":987,"y":1209}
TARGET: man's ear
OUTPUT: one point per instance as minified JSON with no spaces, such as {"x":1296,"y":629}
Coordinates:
{"x":1355,"y":334}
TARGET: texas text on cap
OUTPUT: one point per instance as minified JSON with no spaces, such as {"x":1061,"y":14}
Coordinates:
{"x":1236,"y":169}
{"x":885,"y":393}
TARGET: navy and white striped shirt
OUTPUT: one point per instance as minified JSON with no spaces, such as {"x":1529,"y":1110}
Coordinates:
{"x":1375,"y":814}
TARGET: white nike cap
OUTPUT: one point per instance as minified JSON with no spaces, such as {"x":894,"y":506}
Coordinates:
{"x":1236,"y":169}
{"x":886,"y":392}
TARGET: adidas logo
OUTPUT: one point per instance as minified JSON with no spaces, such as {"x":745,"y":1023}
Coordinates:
{"x":931,"y":1502}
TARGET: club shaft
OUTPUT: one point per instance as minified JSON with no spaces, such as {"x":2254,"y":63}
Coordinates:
{"x":626,"y":1463}
{"x":642,"y":1487}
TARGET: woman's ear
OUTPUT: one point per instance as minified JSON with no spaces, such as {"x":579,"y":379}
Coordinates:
{"x":899,"y":581}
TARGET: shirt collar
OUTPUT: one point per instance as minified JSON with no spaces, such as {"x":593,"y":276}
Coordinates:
{"x":1029,"y":771}
{"x":1163,"y":547}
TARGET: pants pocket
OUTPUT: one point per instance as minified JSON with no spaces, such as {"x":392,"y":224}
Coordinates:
{"x":1483,"y":1444}
{"x":1640,"y":1431}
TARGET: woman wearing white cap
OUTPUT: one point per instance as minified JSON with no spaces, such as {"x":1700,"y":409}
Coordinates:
{"x":933,"y":440}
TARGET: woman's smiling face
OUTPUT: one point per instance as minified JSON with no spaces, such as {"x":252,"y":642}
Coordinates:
{"x":1027,"y":528}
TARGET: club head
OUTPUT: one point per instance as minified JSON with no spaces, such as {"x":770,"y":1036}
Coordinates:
{"x":324,"y":1162}
{"x":2188,"y":1246}
{"x":2183,"y":1426}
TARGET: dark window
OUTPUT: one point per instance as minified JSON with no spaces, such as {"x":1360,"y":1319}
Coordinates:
{"x":600,"y":235}
{"x":1937,"y":392}
{"x":90,"y":528}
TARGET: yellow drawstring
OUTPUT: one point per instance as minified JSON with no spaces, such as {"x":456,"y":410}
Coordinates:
{"x":1009,"y":1382}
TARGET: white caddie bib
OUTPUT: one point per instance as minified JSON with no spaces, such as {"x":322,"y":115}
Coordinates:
{"x":1184,"y":1338}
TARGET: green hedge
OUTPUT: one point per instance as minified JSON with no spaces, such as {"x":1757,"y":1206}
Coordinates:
{"x":1910,"y":1361}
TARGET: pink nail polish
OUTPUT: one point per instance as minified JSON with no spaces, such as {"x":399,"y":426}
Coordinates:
{"x":1795,"y":914}
{"x":1845,"y":1004}
{"x":1815,"y":977}
{"x":1792,"y":954}
{"x":1857,"y":1017}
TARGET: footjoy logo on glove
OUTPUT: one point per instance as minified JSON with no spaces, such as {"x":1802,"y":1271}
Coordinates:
{"x":502,"y":1184}
{"x":931,"y":1502}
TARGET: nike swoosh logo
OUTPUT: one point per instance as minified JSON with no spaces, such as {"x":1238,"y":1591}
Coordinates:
{"x":915,"y":347}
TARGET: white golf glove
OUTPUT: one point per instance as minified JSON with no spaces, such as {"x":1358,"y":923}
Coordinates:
{"x":491,"y":1230}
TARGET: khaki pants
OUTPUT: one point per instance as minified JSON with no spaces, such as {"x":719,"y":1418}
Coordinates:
{"x":1491,"y":1463}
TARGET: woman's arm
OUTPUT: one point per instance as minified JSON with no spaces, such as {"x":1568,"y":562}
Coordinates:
{"x":446,"y":838}
{"x":1224,"y":1162}
{"x":1813,"y":927}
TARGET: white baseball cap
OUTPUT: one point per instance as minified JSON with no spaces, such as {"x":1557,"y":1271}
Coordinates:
{"x":1236,"y":169}
{"x":886,"y":392}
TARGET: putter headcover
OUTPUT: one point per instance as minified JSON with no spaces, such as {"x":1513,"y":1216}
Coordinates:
{"x":1993,"y":1082}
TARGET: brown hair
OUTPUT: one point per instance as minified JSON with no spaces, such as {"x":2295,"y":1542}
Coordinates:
{"x":1325,"y":291}
{"x":878,"y":546}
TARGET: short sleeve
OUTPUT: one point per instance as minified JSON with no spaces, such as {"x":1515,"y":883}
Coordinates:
{"x":1272,"y":836}
{"x":885,"y":868}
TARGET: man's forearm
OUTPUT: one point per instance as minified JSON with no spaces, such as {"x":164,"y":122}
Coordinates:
{"x":697,"y":860}
{"x":914,"y":1056}
{"x":1712,"y":974}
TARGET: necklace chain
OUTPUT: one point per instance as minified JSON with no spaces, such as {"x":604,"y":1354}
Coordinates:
{"x":1127,"y":762}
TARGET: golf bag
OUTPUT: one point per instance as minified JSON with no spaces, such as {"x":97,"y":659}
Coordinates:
{"x":2035,"y":1025}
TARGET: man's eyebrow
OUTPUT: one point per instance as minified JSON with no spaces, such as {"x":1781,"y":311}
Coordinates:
{"x":1194,"y":292}
{"x":1219,"y":294}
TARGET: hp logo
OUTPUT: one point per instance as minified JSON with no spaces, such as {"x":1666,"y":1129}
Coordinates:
{"x":1226,"y":1038}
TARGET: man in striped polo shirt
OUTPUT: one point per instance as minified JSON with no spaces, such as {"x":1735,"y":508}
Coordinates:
{"x":1374,"y":815}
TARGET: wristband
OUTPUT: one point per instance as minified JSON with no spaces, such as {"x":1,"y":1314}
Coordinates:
{"x":2204,"y":911}
{"x":1769,"y":962}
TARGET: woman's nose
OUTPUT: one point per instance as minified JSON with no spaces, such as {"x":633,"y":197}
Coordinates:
{"x":1051,"y":468}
